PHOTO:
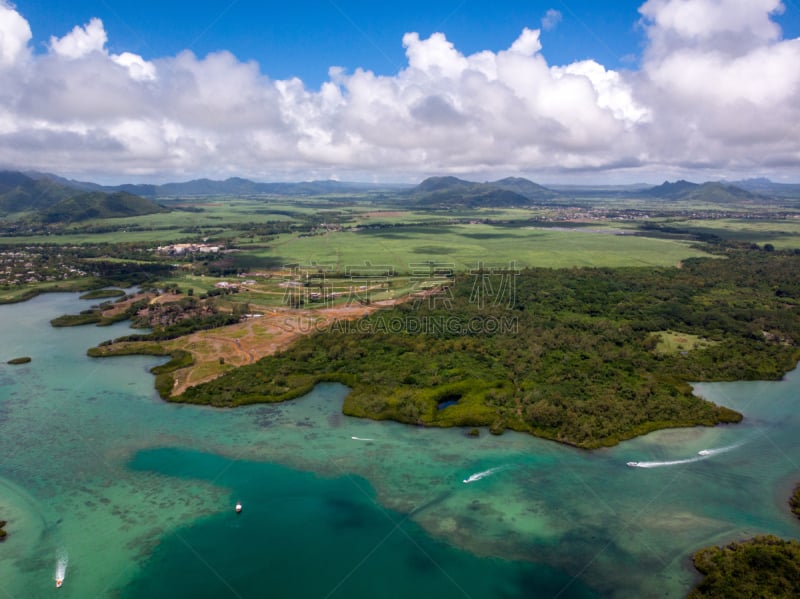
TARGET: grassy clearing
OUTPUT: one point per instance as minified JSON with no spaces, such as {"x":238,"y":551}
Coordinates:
{"x":265,"y":291}
{"x":465,"y":246}
{"x":24,"y":293}
{"x":155,"y":236}
{"x":102,"y":294}
{"x":671,"y":342}
{"x":782,"y":233}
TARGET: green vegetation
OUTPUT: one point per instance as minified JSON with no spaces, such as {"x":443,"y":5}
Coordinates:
{"x":765,"y":566}
{"x":20,"y":193}
{"x":571,"y":355}
{"x":98,"y":205}
{"x":44,"y":200}
{"x":91,"y":316}
{"x":596,"y":343}
{"x":184,"y":327}
{"x":465,"y":246}
{"x":671,"y":342}
{"x":22,"y":360}
{"x":794,"y":501}
{"x":102,"y":294}
{"x":780,"y":233}
{"x":97,"y":315}
{"x":592,"y":355}
{"x":710,"y":192}
{"x":23,"y":294}
{"x":449,"y":192}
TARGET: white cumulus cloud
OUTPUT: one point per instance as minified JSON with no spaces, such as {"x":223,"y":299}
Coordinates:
{"x":722,"y":83}
{"x":718,"y":90}
{"x":704,"y":19}
{"x":92,"y":38}
{"x":15,"y":33}
{"x":551,"y":19}
{"x":81,"y":40}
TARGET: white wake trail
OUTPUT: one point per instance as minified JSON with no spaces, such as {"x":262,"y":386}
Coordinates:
{"x":61,"y":567}
{"x":701,"y":455}
{"x":479,"y":475}
{"x":718,"y":450}
{"x":667,"y":463}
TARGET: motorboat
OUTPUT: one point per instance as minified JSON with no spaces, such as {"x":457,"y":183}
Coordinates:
{"x":633,"y":464}
{"x":238,"y":507}
{"x":59,"y":582}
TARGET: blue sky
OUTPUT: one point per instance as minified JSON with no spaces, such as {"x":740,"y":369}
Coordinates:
{"x":303,"y":38}
{"x":619,"y":91}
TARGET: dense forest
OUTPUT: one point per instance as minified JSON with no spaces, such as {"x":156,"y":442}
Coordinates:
{"x":794,"y":501}
{"x":575,"y":355}
{"x":765,"y":566}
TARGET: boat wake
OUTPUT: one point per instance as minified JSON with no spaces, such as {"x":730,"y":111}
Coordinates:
{"x":479,"y":475}
{"x":718,"y":450}
{"x":361,"y":439}
{"x":61,"y":568}
{"x":701,"y":455}
{"x":667,"y":463}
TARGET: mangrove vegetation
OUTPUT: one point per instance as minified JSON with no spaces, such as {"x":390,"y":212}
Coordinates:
{"x":765,"y":566}
{"x":574,"y":355}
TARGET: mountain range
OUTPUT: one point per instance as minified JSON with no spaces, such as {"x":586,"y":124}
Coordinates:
{"x":764,"y":186}
{"x":233,"y":186}
{"x":451,"y":192}
{"x":715,"y":192}
{"x":52,"y":198}
{"x":50,"y":201}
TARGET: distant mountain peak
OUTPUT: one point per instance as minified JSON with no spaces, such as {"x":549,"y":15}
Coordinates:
{"x":711,"y":191}
{"x":448,"y":191}
{"x":52,"y":199}
{"x":444,"y":182}
{"x":526,"y":187}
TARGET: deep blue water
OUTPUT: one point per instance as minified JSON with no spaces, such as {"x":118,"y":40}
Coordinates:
{"x":135,"y":496}
{"x":300,"y":535}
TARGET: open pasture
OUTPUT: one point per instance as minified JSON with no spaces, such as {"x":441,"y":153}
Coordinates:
{"x":782,"y":234}
{"x":466,"y":246}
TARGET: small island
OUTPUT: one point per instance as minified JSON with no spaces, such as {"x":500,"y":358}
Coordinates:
{"x":765,"y":566}
{"x":794,"y":501}
{"x":21,"y":360}
{"x":102,"y":294}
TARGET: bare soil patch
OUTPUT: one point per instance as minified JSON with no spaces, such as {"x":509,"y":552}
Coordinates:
{"x":218,"y":350}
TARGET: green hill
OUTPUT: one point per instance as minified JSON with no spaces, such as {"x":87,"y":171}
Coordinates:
{"x":11,"y":179}
{"x":711,"y":192}
{"x":97,"y":204}
{"x":50,"y":200}
{"x":29,"y":194}
{"x":529,"y":189}
{"x":451,"y":192}
{"x":433,"y":184}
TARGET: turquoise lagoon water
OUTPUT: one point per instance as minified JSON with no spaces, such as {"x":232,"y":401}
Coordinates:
{"x":137,"y":495}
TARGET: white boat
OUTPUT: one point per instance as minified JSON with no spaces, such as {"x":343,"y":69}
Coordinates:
{"x":59,"y":582}
{"x":704,"y":452}
{"x":633,"y":464}
{"x":238,"y":507}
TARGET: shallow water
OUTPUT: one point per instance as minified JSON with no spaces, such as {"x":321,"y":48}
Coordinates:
{"x":139,"y":494}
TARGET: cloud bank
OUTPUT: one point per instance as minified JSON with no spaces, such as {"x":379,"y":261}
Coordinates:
{"x":717,"y":92}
